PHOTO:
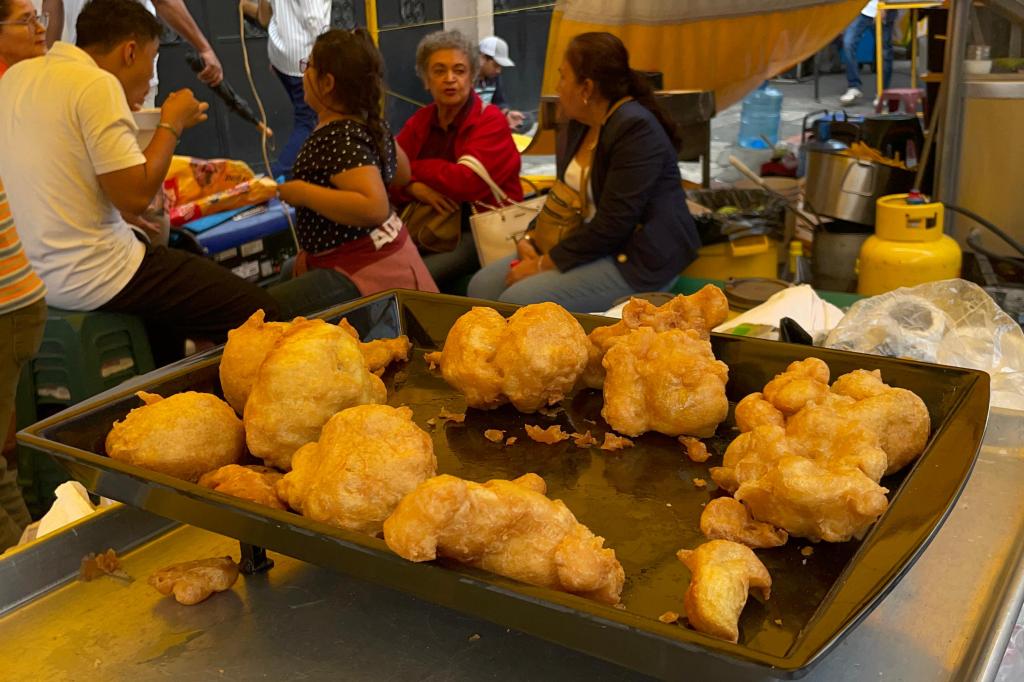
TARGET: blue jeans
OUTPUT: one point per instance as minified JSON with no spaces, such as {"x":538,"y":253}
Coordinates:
{"x":852,"y":36}
{"x":590,"y":288}
{"x":302,"y":125}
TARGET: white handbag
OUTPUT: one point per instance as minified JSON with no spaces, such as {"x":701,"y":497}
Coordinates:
{"x":497,"y":229}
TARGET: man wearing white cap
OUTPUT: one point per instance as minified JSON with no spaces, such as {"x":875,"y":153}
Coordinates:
{"x":494,"y":56}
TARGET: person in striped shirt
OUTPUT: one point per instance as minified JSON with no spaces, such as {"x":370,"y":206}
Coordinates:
{"x":22,"y":292}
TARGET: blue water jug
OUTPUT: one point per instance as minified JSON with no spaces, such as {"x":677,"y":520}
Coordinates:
{"x":762,"y":112}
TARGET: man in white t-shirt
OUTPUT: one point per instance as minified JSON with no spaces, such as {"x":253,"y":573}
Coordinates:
{"x":292,"y":27}
{"x":64,"y":14}
{"x":72,"y":165}
{"x":865,"y":21}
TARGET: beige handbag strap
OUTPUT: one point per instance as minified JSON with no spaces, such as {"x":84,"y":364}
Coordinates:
{"x":500,"y":196}
{"x":473,"y":164}
{"x":585,"y":170}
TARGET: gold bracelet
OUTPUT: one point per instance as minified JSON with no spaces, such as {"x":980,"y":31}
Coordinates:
{"x":168,"y":126}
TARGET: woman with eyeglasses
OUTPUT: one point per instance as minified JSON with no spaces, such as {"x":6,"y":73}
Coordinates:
{"x":22,"y":307}
{"x":344,"y":221}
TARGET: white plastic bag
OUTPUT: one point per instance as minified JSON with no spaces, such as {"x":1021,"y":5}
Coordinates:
{"x":950,"y":322}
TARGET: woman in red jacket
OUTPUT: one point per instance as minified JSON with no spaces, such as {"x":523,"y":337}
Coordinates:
{"x":456,"y":124}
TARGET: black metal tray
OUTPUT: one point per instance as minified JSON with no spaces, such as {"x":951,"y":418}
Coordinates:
{"x":642,"y":500}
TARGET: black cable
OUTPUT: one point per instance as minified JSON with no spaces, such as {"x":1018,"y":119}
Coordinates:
{"x":986,"y":224}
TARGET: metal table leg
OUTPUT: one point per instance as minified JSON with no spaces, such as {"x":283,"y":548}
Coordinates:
{"x":254,"y":559}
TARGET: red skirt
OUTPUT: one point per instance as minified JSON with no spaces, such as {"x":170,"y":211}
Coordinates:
{"x":386,"y":258}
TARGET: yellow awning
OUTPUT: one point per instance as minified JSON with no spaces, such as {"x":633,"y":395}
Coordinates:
{"x":728,"y":46}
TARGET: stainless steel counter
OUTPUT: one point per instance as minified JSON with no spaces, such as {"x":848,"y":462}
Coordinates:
{"x":948,"y":619}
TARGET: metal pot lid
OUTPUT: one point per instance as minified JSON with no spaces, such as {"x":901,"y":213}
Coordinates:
{"x":750,"y":292}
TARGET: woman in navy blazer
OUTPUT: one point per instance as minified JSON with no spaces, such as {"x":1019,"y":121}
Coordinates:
{"x":639,"y":235}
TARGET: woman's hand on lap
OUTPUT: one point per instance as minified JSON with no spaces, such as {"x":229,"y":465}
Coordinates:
{"x":526,"y":267}
{"x":428,"y":195}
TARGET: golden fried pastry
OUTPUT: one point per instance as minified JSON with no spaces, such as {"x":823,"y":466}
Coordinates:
{"x":813,"y":501}
{"x":701,"y":312}
{"x":193,"y":581}
{"x":753,"y":411}
{"x":252,"y":482}
{"x":898,"y":416}
{"x":507,"y":527}
{"x":667,"y":381}
{"x":833,"y":496}
{"x":532,"y":360}
{"x":722,"y":575}
{"x":313,"y":372}
{"x":724,"y":518}
{"x":379,"y":353}
{"x":368,"y":457}
{"x":803,"y":381}
{"x":825,"y":430}
{"x":244,"y":352}
{"x":184,"y":435}
{"x":750,"y":455}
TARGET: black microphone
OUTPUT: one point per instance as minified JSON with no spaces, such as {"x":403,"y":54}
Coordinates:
{"x":226,"y":92}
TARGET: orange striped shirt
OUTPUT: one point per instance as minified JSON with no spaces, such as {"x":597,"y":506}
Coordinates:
{"x":19,"y":284}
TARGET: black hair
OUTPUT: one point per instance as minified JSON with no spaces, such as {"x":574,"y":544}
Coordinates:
{"x":603,"y":58}
{"x":106,"y":23}
{"x":358,"y":69}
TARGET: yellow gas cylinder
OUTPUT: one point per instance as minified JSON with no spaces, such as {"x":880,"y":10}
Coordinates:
{"x":908,"y":247}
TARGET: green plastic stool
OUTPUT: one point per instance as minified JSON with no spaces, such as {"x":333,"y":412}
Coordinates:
{"x":82,"y":354}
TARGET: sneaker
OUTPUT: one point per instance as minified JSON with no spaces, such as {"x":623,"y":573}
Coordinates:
{"x":850,"y":96}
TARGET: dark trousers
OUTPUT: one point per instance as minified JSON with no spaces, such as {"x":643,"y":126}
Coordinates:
{"x":852,"y":36}
{"x":179,"y":295}
{"x":303,"y":123}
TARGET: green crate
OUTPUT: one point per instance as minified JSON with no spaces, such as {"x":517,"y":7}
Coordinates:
{"x":82,"y":354}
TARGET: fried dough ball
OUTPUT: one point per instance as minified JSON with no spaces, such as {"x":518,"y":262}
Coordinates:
{"x":812,"y":501}
{"x":723,"y":574}
{"x":753,"y":411}
{"x":368,"y":457}
{"x":531,"y":360}
{"x":315,"y":371}
{"x":194,"y":581}
{"x":667,"y":381}
{"x":701,"y":312}
{"x":507,"y":527}
{"x":252,"y":482}
{"x":833,"y":496}
{"x":379,"y":353}
{"x":727,"y":519}
{"x":184,"y":435}
{"x":803,"y":381}
{"x":898,"y":416}
{"x":244,"y":352}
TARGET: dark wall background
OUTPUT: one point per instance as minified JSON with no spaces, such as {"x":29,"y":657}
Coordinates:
{"x":527,"y":36}
{"x":402,"y":24}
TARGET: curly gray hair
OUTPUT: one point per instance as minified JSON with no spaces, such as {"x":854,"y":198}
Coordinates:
{"x":445,"y":40}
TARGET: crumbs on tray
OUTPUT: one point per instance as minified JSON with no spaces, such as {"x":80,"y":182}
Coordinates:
{"x":695,"y":449}
{"x":583,"y":440}
{"x":614,"y":442}
{"x":458,"y":418}
{"x":550,"y":436}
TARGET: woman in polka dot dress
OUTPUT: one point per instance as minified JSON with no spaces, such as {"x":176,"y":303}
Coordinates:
{"x":344,"y":220}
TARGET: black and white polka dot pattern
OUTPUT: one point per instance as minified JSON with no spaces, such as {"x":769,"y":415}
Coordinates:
{"x":338,"y":146}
